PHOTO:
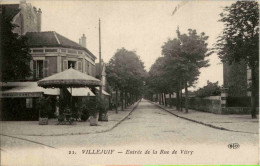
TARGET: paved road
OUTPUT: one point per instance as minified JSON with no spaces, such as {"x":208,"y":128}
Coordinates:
{"x":149,"y":127}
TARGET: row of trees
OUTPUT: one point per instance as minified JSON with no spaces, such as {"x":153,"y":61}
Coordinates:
{"x":126,"y":74}
{"x":183,"y":56}
{"x":179,"y":67}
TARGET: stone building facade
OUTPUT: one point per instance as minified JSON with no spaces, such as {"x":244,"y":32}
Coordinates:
{"x":236,"y":79}
{"x":24,"y":15}
{"x":53,"y":53}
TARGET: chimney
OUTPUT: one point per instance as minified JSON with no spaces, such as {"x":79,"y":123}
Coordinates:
{"x":80,"y":42}
{"x":83,"y":41}
{"x":39,"y":20}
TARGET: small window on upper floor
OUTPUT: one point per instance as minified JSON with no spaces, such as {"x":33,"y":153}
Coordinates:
{"x":72,"y":51}
{"x":37,"y":50}
{"x":51,"y":50}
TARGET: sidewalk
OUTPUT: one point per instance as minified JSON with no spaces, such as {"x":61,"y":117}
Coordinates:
{"x":232,"y":122}
{"x":32,"y":128}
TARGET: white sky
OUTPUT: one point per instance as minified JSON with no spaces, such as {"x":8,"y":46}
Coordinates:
{"x":142,"y":26}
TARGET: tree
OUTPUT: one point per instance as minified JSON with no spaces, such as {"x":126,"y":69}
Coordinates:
{"x":187,"y":54}
{"x":15,"y":57}
{"x":240,"y":40}
{"x":211,"y":89}
{"x":125,"y":72}
{"x":157,"y":78}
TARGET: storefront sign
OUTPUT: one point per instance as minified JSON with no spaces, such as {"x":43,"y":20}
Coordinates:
{"x":21,"y":94}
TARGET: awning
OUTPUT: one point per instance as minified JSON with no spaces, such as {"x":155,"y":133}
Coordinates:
{"x":103,"y":92}
{"x":27,"y":89}
{"x":69,"y":78}
{"x":81,"y":92}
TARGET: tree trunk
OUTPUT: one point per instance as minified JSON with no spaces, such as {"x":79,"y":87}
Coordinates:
{"x":161,"y":95}
{"x":170,"y":100}
{"x":178,"y":98}
{"x":253,"y":93}
{"x":165,"y":102}
{"x":116,"y":101}
{"x":163,"y":99}
{"x":122,"y":101}
{"x":186,"y":97}
{"x":125,"y":99}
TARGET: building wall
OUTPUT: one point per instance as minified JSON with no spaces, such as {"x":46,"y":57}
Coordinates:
{"x":56,"y":61}
{"x":235,"y":79}
{"x":28,"y":19}
{"x":52,"y":65}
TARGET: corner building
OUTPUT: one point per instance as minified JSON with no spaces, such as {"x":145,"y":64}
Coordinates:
{"x":53,"y":53}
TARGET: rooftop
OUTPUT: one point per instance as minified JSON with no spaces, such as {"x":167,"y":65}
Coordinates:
{"x":52,"y":39}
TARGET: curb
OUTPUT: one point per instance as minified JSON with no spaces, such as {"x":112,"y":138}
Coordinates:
{"x":199,"y":122}
{"x":121,"y":119}
{"x":102,"y":131}
{"x":28,"y":140}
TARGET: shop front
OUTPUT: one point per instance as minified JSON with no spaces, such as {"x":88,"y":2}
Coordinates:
{"x":19,"y":101}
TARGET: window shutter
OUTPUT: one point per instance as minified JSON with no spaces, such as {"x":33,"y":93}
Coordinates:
{"x":76,"y":65}
{"x":87,"y":68}
{"x":34,"y":69}
{"x":93,"y":70}
{"x":90,"y":70}
{"x":80,"y":66}
{"x":45,"y":68}
{"x":65,"y":65}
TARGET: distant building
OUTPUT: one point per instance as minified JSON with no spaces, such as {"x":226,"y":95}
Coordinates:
{"x":53,"y":53}
{"x":24,"y":15}
{"x":237,"y":78}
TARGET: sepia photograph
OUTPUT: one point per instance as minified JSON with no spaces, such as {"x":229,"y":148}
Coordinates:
{"x":122,"y":82}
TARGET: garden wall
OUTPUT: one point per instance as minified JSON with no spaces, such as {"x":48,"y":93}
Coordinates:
{"x":207,"y":104}
{"x":212,"y":104}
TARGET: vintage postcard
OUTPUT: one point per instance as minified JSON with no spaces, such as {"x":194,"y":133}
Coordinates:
{"x":129,"y":82}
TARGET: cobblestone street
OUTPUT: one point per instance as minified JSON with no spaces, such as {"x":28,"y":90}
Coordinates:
{"x":150,"y":127}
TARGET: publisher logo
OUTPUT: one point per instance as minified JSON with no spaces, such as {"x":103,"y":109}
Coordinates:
{"x":233,"y":146}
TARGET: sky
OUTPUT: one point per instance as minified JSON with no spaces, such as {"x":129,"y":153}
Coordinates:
{"x":142,"y":26}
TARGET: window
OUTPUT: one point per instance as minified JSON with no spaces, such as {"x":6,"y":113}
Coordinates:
{"x":40,"y":69}
{"x":37,"y":50}
{"x":51,"y":50}
{"x":72,"y":64}
{"x":72,"y":51}
{"x":63,"y":50}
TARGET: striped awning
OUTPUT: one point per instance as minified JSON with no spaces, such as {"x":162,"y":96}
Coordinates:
{"x":27,"y":89}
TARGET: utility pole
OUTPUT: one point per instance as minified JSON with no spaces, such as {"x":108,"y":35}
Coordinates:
{"x":100,"y":72}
